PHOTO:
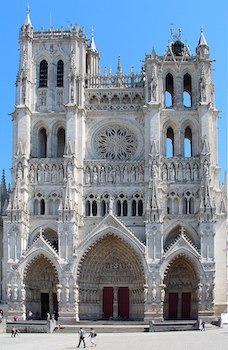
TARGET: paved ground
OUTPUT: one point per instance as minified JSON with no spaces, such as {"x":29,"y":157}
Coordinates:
{"x":212,"y":339}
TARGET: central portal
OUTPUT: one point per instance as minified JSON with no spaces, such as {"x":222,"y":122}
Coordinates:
{"x":111,"y":282}
{"x":116,"y":303}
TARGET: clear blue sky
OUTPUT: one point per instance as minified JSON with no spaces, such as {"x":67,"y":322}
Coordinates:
{"x":127,"y":28}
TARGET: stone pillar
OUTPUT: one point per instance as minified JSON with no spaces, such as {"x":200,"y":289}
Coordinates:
{"x":115,"y":303}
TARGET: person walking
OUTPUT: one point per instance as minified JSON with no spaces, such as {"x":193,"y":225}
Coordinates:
{"x":81,"y":337}
{"x":92,"y":335}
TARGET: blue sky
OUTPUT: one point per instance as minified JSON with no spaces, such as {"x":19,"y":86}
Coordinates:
{"x":127,"y":28}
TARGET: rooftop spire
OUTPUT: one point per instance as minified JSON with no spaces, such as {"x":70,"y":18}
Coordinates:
{"x":202,"y":40}
{"x":92,"y":42}
{"x":119,"y":66}
{"x":27,"y":20}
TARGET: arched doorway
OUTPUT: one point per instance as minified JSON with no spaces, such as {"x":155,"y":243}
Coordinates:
{"x":181,"y":299}
{"x":40,"y":281}
{"x":111,"y":281}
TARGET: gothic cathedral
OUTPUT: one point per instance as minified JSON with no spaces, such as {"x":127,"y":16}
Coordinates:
{"x":116,"y":209}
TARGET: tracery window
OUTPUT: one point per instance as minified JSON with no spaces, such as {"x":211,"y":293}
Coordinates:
{"x":104,"y":205}
{"x":137,"y":205}
{"x":115,"y":143}
{"x":53,"y":204}
{"x":91,"y":205}
{"x":39,"y":204}
{"x":43,"y":76}
{"x":188,"y":203}
{"x":173,"y":203}
{"x":122,"y":205}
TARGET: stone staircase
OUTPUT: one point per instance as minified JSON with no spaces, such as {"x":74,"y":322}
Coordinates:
{"x":173,"y":325}
{"x":105,"y":327}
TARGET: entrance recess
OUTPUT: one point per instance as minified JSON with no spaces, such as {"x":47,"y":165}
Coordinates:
{"x":40,"y":281}
{"x":107,"y":272}
{"x":181,"y":282}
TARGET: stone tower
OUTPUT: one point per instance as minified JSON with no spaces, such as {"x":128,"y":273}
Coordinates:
{"x":116,"y":209}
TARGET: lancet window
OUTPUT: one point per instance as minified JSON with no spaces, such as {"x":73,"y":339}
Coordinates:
{"x":187,"y":91}
{"x":43,"y":74}
{"x":169,"y":91}
{"x":60,"y":73}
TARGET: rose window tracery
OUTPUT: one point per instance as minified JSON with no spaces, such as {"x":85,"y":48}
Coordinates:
{"x":115,"y":143}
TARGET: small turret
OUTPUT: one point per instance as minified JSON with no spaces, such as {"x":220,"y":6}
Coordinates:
{"x":92,"y":57}
{"x":27,"y":25}
{"x":92,"y":44}
{"x":202,"y":49}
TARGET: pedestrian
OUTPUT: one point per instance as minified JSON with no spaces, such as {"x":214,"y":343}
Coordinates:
{"x":203,"y":326}
{"x":92,"y":335}
{"x":13,"y":331}
{"x":81,"y":337}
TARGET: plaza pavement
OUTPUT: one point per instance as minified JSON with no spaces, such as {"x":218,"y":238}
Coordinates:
{"x":211,"y":339}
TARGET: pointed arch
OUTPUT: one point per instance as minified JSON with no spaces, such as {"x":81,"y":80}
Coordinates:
{"x":169,"y":90}
{"x":110,"y":260}
{"x":60,"y":142}
{"x":187,"y":90}
{"x":42,"y":143}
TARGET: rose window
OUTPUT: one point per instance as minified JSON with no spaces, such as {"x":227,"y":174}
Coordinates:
{"x":115,"y":143}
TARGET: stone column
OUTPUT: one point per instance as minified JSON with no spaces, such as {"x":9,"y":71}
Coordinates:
{"x":115,"y":303}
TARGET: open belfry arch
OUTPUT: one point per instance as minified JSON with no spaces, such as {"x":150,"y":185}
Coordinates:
{"x":116,"y":209}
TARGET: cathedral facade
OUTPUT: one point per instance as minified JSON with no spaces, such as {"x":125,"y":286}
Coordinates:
{"x":116,"y":210}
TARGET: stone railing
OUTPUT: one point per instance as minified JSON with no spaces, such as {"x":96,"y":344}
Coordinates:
{"x":104,"y":172}
{"x":107,"y":81}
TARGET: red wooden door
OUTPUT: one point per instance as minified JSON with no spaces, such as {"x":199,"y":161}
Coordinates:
{"x":123,"y":303}
{"x":108,"y":302}
{"x":186,"y":305}
{"x":173,"y":305}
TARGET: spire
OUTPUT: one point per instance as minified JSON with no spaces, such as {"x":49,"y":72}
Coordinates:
{"x":27,"y":20}
{"x":119,"y":66}
{"x":92,"y":43}
{"x":3,"y":191}
{"x":202,"y":48}
{"x":202,"y":40}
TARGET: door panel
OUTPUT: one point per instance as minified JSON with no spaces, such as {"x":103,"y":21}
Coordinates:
{"x":108,"y":296}
{"x":173,"y":305}
{"x":186,"y":305}
{"x":45,"y":307}
{"x":123,"y":303}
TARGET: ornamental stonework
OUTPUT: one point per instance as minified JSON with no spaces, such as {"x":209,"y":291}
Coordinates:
{"x":115,"y":143}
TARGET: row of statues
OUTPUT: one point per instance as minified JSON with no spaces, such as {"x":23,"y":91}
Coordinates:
{"x":114,"y":174}
{"x":117,"y":173}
